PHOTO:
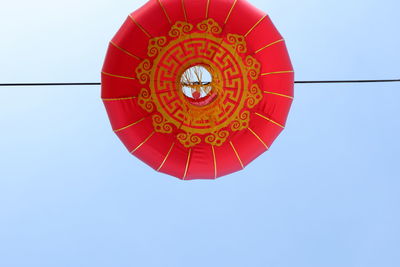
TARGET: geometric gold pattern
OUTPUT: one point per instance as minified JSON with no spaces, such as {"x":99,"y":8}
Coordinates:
{"x":234,"y":73}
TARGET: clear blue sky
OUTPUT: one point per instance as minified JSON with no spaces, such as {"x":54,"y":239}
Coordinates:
{"x":326,"y":194}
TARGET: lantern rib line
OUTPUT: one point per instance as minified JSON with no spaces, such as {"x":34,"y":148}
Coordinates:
{"x":237,"y":154}
{"x":255,"y":25}
{"x":272,"y":93}
{"x":268,"y":45}
{"x":277,"y":72}
{"x":165,"y":11}
{"x":184,"y":10}
{"x":272,"y":121}
{"x":118,"y":76}
{"x":125,"y":51}
{"x":130,"y":125}
{"x":215,"y":162}
{"x":207,"y":8}
{"x":140,"y":26}
{"x":258,"y":137}
{"x":166,"y":157}
{"x":187,"y":164}
{"x":230,"y":11}
{"x":144,"y":142}
{"x":118,"y":99}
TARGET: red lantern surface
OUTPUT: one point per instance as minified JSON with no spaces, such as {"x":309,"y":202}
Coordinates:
{"x":164,"y":111}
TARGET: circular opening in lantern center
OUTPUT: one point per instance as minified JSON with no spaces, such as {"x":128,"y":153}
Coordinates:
{"x":197,"y":86}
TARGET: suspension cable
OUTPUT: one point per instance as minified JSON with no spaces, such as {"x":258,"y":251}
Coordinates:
{"x":205,"y":83}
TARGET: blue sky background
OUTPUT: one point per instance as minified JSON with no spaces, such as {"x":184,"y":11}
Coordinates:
{"x":326,"y":194}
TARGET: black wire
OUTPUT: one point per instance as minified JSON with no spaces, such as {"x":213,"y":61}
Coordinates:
{"x":45,"y":84}
{"x":298,"y":82}
{"x":351,"y":81}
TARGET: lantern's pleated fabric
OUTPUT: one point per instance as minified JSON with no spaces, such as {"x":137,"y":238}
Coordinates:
{"x":162,"y":152}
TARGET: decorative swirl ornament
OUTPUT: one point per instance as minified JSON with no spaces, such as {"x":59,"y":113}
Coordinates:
{"x":173,"y":59}
{"x":194,"y":90}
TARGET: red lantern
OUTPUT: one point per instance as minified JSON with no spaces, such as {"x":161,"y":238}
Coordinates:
{"x":197,"y":89}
